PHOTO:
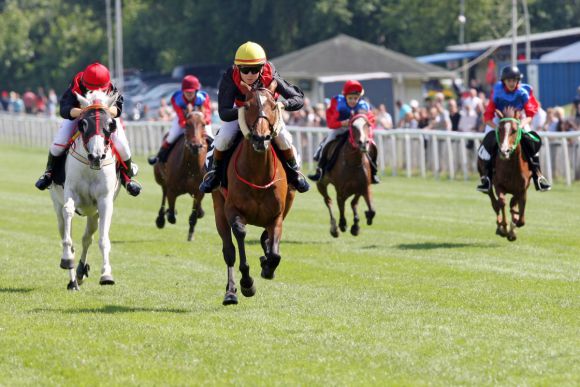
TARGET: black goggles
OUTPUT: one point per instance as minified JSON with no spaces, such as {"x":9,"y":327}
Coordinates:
{"x":250,"y":69}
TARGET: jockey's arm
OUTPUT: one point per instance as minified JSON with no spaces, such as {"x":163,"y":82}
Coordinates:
{"x":294,"y":97}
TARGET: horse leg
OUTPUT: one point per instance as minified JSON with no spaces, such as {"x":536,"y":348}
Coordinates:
{"x":323,"y":189}
{"x":199,"y":209}
{"x":67,"y":260}
{"x":272,"y":260}
{"x":160,"y":221}
{"x":228,"y":249}
{"x":83,"y":267}
{"x":522,"y":207}
{"x":370,"y":214}
{"x":192,"y":219}
{"x":105,"y":206}
{"x":246,"y":282}
{"x":501,"y":217}
{"x":355,"y":229}
{"x":171,"y":198}
{"x":340,"y":200}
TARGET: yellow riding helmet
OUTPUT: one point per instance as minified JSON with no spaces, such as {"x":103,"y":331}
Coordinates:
{"x":250,"y":54}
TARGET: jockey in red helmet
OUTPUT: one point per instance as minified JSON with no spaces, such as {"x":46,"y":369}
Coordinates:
{"x":94,"y":77}
{"x":342,"y":108}
{"x":510,"y":92}
{"x":252,"y":68}
{"x":190,"y":94}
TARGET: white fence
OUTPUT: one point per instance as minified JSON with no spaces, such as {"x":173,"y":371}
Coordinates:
{"x":413,"y":152}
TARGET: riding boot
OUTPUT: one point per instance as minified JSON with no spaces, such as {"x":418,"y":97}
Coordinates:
{"x":162,"y":154}
{"x":540,"y":182}
{"x":293,"y":172}
{"x":212,"y":178}
{"x":373,"y":161}
{"x":46,"y":179}
{"x":129,"y":170}
{"x":322,"y":161}
{"x":485,"y":174}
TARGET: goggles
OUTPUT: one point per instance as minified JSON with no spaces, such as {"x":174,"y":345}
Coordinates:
{"x":250,"y":69}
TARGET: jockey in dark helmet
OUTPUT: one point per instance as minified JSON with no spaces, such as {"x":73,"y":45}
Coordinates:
{"x":342,"y":108}
{"x":190,"y":94}
{"x":251,"y":68}
{"x":510,"y":92}
{"x":94,"y":77}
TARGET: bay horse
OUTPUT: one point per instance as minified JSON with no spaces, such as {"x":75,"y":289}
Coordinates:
{"x":511,"y":174}
{"x":351,"y":175}
{"x":257,"y":193}
{"x":90,"y":187}
{"x":183,"y":172}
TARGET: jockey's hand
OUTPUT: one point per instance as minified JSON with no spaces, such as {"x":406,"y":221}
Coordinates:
{"x":114,"y":111}
{"x":75,"y":112}
{"x":344,"y":123}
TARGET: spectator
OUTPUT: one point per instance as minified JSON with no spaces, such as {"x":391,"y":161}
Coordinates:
{"x":165,"y":113}
{"x":29,"y":99}
{"x":454,"y":115}
{"x":576,"y":108}
{"x":16,"y":103}
{"x":404,"y":109}
{"x":52,"y":102}
{"x":539,"y":119}
{"x":4,"y":100}
{"x":383,"y":117}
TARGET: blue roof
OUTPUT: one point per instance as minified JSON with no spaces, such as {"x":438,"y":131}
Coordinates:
{"x":447,"y":56}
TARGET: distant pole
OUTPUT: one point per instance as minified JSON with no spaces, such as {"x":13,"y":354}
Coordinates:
{"x":119,"y":45}
{"x":514,"y":32}
{"x":528,"y":43}
{"x":462,"y":19}
{"x":109,"y":36}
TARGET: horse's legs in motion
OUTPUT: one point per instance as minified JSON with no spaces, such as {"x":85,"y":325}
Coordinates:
{"x":272,"y":260}
{"x":160,"y":221}
{"x":228,"y":248}
{"x":514,"y":219}
{"x":354,"y":229}
{"x":522,"y":207}
{"x":67,"y":260}
{"x":171,"y":198}
{"x":370,"y":214}
{"x":340,"y":200}
{"x":83,"y":267}
{"x":323,"y":189}
{"x":501,"y":218}
{"x":246,"y":282}
{"x":192,"y":219}
{"x":105,"y":206}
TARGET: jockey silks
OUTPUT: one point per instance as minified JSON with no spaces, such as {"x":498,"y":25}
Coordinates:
{"x":201,"y":100}
{"x":339,"y":111}
{"x":522,"y":98}
{"x":69,"y":100}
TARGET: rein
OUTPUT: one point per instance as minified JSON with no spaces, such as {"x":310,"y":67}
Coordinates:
{"x":255,"y":186}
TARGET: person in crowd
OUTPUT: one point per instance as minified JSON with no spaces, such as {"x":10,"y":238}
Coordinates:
{"x":251,"y":68}
{"x":94,"y":77}
{"x":342,"y":108}
{"x":510,"y":92}
{"x":190,"y":94}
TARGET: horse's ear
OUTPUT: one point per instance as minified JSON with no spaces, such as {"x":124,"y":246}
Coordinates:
{"x":82,"y":100}
{"x":82,"y":125}
{"x":273,"y":86}
{"x":498,"y":113}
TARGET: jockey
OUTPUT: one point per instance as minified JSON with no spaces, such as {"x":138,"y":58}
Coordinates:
{"x":190,"y":94}
{"x":94,"y":77}
{"x":342,"y":108}
{"x":252,"y":68}
{"x":509,"y":92}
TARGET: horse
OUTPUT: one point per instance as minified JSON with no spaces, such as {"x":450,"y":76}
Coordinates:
{"x":351,"y":175}
{"x":257,"y":193}
{"x":511,"y":175}
{"x":183,"y":172}
{"x":90,"y":187}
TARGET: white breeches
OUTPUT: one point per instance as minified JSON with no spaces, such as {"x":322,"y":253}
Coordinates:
{"x":333,"y":135}
{"x":227,"y":133}
{"x":175,"y":131}
{"x":67,"y":128}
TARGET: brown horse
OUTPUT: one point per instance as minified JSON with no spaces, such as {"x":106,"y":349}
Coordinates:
{"x":257,"y":193}
{"x":511,"y":175}
{"x":351,"y":175}
{"x":183,"y":172}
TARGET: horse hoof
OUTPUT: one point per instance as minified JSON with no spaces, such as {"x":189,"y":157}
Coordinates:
{"x":354,"y":230}
{"x":67,"y":264}
{"x":171,"y":219}
{"x":107,"y":280}
{"x":230,"y":299}
{"x":500,"y":232}
{"x":267,"y":272}
{"x":160,"y":221}
{"x":72,"y":285}
{"x":248,"y":292}
{"x":370,"y":215}
{"x":342,"y":226}
{"x":511,"y":238}
{"x":82,"y":272}
{"x":334,"y":233}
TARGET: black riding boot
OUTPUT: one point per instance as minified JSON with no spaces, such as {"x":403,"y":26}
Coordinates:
{"x":46,"y":179}
{"x":485,"y":174}
{"x":294,"y":176}
{"x":540,"y":182}
{"x":486,"y":152}
{"x":161,"y":156}
{"x":132,"y":186}
{"x":373,"y":161}
{"x":212,"y":178}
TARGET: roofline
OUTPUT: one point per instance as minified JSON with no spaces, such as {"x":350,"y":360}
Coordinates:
{"x":483,"y":45}
{"x":362,"y":76}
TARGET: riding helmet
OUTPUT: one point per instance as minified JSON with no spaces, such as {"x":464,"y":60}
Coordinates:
{"x":190,"y":83}
{"x":96,"y":76}
{"x":352,"y":87}
{"x":511,"y":72}
{"x":250,"y":54}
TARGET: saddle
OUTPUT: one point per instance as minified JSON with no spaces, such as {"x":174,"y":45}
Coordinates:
{"x":333,"y":150}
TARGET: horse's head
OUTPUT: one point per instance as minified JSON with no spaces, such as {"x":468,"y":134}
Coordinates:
{"x":194,"y":129}
{"x":360,"y":132}
{"x":509,"y":132}
{"x":260,"y":118}
{"x":96,"y":125}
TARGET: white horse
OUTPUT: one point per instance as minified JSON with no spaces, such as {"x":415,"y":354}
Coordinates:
{"x":90,"y":187}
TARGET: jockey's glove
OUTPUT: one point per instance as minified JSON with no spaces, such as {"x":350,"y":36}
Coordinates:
{"x":281,"y":104}
{"x":75,"y":112}
{"x":114,"y":111}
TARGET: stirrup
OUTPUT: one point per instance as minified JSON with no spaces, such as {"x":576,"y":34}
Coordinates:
{"x":210,"y":182}
{"x":44,"y":181}
{"x":485,"y":185}
{"x":541,"y":184}
{"x":153,"y":160}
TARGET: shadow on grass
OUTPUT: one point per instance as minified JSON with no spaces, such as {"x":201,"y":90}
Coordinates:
{"x":253,"y":242}
{"x":139,"y":241}
{"x":16,"y":290}
{"x":441,"y":245}
{"x":113,"y":309}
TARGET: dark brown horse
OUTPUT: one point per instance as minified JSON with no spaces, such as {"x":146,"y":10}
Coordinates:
{"x":257,"y":193}
{"x":511,"y":175}
{"x":183,"y":172}
{"x":351,"y":175}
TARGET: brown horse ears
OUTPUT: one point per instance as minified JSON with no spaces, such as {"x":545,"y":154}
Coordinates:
{"x":498,"y":113}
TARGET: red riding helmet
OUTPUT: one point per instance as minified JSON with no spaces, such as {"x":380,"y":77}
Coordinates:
{"x":190,"y":83}
{"x":96,"y":76}
{"x":352,"y":87}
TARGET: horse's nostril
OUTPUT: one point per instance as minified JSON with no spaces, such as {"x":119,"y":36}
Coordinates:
{"x":90,"y":157}
{"x":103,"y":157}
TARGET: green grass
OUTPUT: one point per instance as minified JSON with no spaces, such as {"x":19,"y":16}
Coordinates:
{"x":428,"y":295}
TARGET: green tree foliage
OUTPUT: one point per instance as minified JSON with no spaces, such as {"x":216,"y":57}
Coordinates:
{"x":45,"y":42}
